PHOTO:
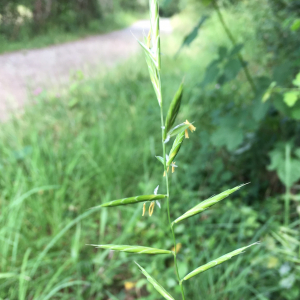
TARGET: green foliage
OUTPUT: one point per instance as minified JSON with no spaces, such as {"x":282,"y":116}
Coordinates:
{"x":188,"y":39}
{"x":223,"y":69}
{"x":31,"y":24}
{"x":278,"y":164}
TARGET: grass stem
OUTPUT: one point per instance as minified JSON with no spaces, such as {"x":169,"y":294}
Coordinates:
{"x":168,"y":195}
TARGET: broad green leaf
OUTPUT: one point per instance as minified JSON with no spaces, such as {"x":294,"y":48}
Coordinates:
{"x":134,"y":249}
{"x":222,"y":51}
{"x":232,"y":69}
{"x":177,"y":130}
{"x":132,"y":200}
{"x":211,"y":73}
{"x":296,"y":25}
{"x":290,"y":98}
{"x":236,"y":49}
{"x":296,"y":113}
{"x":160,"y":159}
{"x":207,"y":204}
{"x":216,"y":262}
{"x":229,"y":136}
{"x":173,"y":110}
{"x":278,"y":164}
{"x":175,"y":148}
{"x":188,"y":39}
{"x":296,"y":81}
{"x":155,"y":284}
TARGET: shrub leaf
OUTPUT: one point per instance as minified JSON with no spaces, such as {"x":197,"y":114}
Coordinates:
{"x":155,"y":284}
{"x":216,"y":262}
{"x":207,"y":204}
{"x":134,"y":249}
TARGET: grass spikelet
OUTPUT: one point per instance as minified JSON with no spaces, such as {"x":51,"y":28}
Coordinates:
{"x":133,"y":249}
{"x":207,"y":204}
{"x":216,"y":262}
{"x":173,"y":110}
{"x":131,"y":200}
{"x":155,"y":284}
{"x":175,"y":148}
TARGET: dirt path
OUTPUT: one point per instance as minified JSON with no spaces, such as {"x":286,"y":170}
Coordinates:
{"x":25,"y":72}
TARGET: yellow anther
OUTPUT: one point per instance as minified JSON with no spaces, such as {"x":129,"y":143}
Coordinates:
{"x":186,"y":134}
{"x":149,"y":39}
{"x":191,"y":127}
{"x":178,"y":247}
{"x":151,"y":208}
{"x":167,"y":171}
{"x":173,"y":166}
{"x":144,"y":209}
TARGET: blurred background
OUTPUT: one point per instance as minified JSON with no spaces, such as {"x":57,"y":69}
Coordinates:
{"x":80,"y":126}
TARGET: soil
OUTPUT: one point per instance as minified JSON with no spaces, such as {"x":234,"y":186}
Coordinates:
{"x":25,"y":73}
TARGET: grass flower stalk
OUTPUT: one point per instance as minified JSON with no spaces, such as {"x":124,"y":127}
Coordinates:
{"x":152,"y":51}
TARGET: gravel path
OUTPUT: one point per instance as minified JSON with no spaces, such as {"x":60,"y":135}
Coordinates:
{"x":25,"y":72}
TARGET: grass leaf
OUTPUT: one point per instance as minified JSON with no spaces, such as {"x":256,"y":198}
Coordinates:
{"x":161,"y":159}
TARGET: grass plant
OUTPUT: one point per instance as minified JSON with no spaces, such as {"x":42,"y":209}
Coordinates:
{"x":152,"y":49}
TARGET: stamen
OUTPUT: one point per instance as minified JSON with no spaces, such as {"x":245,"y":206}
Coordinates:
{"x":186,"y":134}
{"x":173,"y":166}
{"x":151,"y":208}
{"x":144,"y":209}
{"x":192,"y":128}
{"x":167,"y":171}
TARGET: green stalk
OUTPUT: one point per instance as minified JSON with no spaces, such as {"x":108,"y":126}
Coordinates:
{"x":168,"y":194}
{"x":287,"y":184}
{"x":233,"y":41}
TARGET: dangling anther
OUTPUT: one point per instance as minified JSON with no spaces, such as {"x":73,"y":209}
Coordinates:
{"x":151,"y":208}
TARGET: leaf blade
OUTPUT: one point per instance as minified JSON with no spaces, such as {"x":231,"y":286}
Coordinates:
{"x":159,"y":158}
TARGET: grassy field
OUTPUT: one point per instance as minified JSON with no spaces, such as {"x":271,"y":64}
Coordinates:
{"x":96,"y":142}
